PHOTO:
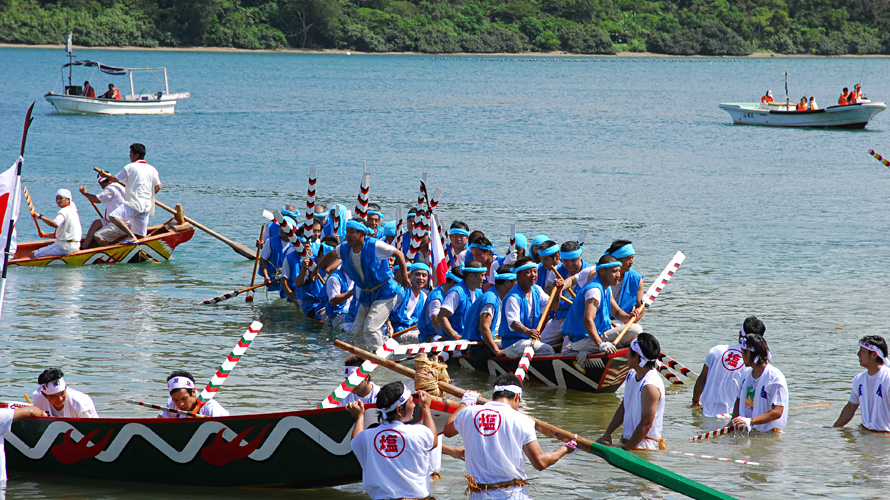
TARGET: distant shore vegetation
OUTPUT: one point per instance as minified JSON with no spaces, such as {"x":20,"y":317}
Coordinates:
{"x":680,"y":27}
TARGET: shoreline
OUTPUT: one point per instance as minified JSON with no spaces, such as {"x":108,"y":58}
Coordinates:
{"x":754,"y":55}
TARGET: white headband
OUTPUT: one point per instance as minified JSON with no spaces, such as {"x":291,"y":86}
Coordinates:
{"x":406,"y":395}
{"x":635,"y":346}
{"x":349,"y":370}
{"x":180,"y":383}
{"x":54,"y":387}
{"x":875,"y":349}
{"x":515,"y":389}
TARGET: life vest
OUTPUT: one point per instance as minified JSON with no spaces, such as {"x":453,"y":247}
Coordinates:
{"x":563,"y":310}
{"x":627,"y":296}
{"x":508,"y":336}
{"x":276,"y":246}
{"x":471,"y":318}
{"x":766,"y":98}
{"x":399,"y":315}
{"x":312,"y":295}
{"x":801,"y":107}
{"x":463,"y":304}
{"x":330,"y":310}
{"x":574,"y":325}
{"x":377,"y":283}
{"x":844,"y":99}
{"x":116,"y":94}
{"x":425,"y":324}
{"x":89,"y":91}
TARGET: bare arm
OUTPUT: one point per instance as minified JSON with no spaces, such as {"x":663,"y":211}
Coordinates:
{"x":590,"y":307}
{"x":357,"y":410}
{"x":427,"y":415}
{"x":336,"y":300}
{"x":699,"y":388}
{"x":445,"y":324}
{"x":540,"y":459}
{"x":450,"y":430}
{"x":485,"y":332}
{"x":616,"y":422}
{"x":649,"y":399}
{"x":93,"y":198}
{"x":27,"y":412}
{"x":846,"y":414}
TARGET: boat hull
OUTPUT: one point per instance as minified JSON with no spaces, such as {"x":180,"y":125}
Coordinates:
{"x":77,"y":105}
{"x":300,"y":449}
{"x":853,"y":116}
{"x":159,"y":247}
{"x":604,"y":373}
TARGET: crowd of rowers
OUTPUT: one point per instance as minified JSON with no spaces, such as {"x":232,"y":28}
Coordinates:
{"x":847,"y":97}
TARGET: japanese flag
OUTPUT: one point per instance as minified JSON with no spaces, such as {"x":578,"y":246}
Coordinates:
{"x":10,"y":198}
{"x":440,"y":263}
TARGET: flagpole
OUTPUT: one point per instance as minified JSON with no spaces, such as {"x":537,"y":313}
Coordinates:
{"x":15,"y":203}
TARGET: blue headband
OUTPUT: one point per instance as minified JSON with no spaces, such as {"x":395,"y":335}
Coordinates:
{"x":488,"y":248}
{"x":547,"y":252}
{"x":505,"y":277}
{"x":457,"y":230}
{"x":610,"y":264}
{"x":525,"y":267}
{"x":375,"y":212}
{"x":625,"y":251}
{"x":540,"y":239}
{"x":292,"y":213}
{"x":475,"y":270}
{"x":321,"y":215}
{"x":358,"y":226}
{"x":451,"y":276}
{"x":420,"y":266}
{"x":574,"y":254}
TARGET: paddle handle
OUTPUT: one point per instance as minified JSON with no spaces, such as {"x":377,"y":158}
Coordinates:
{"x":571,"y":292}
{"x":404,"y":331}
{"x":543,"y":319}
{"x":540,"y":425}
{"x":626,"y":327}
{"x":256,"y":260}
{"x":28,"y":399}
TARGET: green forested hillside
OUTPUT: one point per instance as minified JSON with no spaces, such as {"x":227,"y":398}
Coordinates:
{"x":708,"y":27}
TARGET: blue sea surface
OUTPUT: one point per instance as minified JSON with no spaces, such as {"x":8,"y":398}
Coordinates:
{"x":789,"y":225}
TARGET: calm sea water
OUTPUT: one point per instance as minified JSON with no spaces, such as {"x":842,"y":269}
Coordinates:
{"x":789,"y":225}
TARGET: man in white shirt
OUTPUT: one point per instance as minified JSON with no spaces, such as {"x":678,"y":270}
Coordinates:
{"x":717,"y":387}
{"x":763,"y":395}
{"x":103,"y":232}
{"x":142,"y":182}
{"x":58,"y":400}
{"x":67,"y":226}
{"x":184,"y":397}
{"x":496,"y":436}
{"x":870,"y":387}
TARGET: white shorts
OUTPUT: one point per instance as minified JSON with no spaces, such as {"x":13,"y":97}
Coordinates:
{"x":109,"y":232}
{"x":516,"y":349}
{"x":138,"y":222}
{"x":57,"y":249}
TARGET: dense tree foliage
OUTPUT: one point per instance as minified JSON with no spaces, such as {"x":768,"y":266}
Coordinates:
{"x":708,"y":27}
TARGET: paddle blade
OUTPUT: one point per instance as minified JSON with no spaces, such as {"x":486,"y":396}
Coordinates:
{"x":268,"y":215}
{"x":663,"y":278}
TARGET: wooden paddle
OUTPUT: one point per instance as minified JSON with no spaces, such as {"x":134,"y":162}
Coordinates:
{"x":237,"y":247}
{"x":529,"y":353}
{"x":256,"y":262}
{"x":164,"y":408}
{"x":404,"y":331}
{"x":571,"y":292}
{"x":614,"y":456}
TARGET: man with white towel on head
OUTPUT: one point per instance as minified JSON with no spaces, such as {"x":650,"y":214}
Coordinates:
{"x":67,"y":226}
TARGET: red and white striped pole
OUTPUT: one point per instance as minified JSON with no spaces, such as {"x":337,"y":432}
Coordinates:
{"x":310,"y":201}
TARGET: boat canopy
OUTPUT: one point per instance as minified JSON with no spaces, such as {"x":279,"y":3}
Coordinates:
{"x":111,"y":70}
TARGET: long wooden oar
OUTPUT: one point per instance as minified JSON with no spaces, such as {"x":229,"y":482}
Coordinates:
{"x":222,"y":373}
{"x":404,"y":331}
{"x":654,"y":290}
{"x":256,"y":262}
{"x":614,"y":456}
{"x":529,"y":351}
{"x":33,"y":213}
{"x":164,"y":408}
{"x":232,"y":294}
{"x":555,"y":272}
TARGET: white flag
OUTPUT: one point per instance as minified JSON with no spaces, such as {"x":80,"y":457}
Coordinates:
{"x":68,"y":42}
{"x":10,"y":200}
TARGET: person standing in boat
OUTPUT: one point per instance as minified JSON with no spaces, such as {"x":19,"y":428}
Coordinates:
{"x":373,"y":220}
{"x":88,"y":90}
{"x":521,"y":311}
{"x":67,"y":226}
{"x":496,"y":436}
{"x":459,"y":299}
{"x":588,"y":327}
{"x":394,"y":455}
{"x":459,"y":234}
{"x":870,"y":387}
{"x":856,"y":94}
{"x":548,"y":256}
{"x":272,"y":249}
{"x":58,"y":400}
{"x":142,"y":182}
{"x":184,"y":397}
{"x":102,"y":231}
{"x":717,"y":386}
{"x":762,"y":403}
{"x":642,"y":409}
{"x":366,"y":262}
{"x":537,"y":241}
{"x":768,"y":97}
{"x":482,"y":251}
{"x":484,"y":315}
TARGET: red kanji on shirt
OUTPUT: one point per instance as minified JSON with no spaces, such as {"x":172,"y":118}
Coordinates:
{"x":732,"y":360}
{"x":389,"y":443}
{"x":487,"y":422}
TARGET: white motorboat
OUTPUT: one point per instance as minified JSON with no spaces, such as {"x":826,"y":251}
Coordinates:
{"x":144,"y":102}
{"x":853,"y":116}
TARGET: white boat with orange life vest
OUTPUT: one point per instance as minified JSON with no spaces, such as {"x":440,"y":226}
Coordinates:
{"x":785,"y":114}
{"x":144,"y":102}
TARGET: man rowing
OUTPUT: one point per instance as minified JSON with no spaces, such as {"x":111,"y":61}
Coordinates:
{"x":570,"y":268}
{"x":428,"y":329}
{"x":762,"y":403}
{"x":548,"y":257}
{"x":409,"y":303}
{"x":496,"y":436}
{"x":338,"y":290}
{"x":102,"y":231}
{"x":484,"y":315}
{"x":521,"y":311}
{"x":717,"y":386}
{"x":459,"y":299}
{"x":628,"y":292}
{"x":67,"y":226}
{"x":273,"y":248}
{"x":588,"y":327}
{"x":870,"y":387}
{"x":58,"y":400}
{"x":366,"y":262}
{"x":142,"y":184}
{"x":642,"y":409}
{"x":184,"y":396}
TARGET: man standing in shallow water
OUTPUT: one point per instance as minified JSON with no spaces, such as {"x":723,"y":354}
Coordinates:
{"x":870,"y":387}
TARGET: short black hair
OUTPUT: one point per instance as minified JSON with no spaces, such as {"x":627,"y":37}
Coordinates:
{"x":507,"y":268}
{"x":523,"y":261}
{"x":482,"y":241}
{"x":330,"y":240}
{"x":650,"y":347}
{"x":758,"y":347}
{"x":617,"y":244}
{"x":547,"y":244}
{"x":877,"y":341}
{"x":753,"y":324}
{"x":137,"y":149}
{"x":353,"y":361}
{"x":460,"y":225}
{"x":506,"y":379}
{"x":182,"y":373}
{"x":606,"y":259}
{"x":475,"y":264}
{"x":389,"y":394}
{"x":569,"y":246}
{"x":374,"y":206}
{"x":49,"y":375}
